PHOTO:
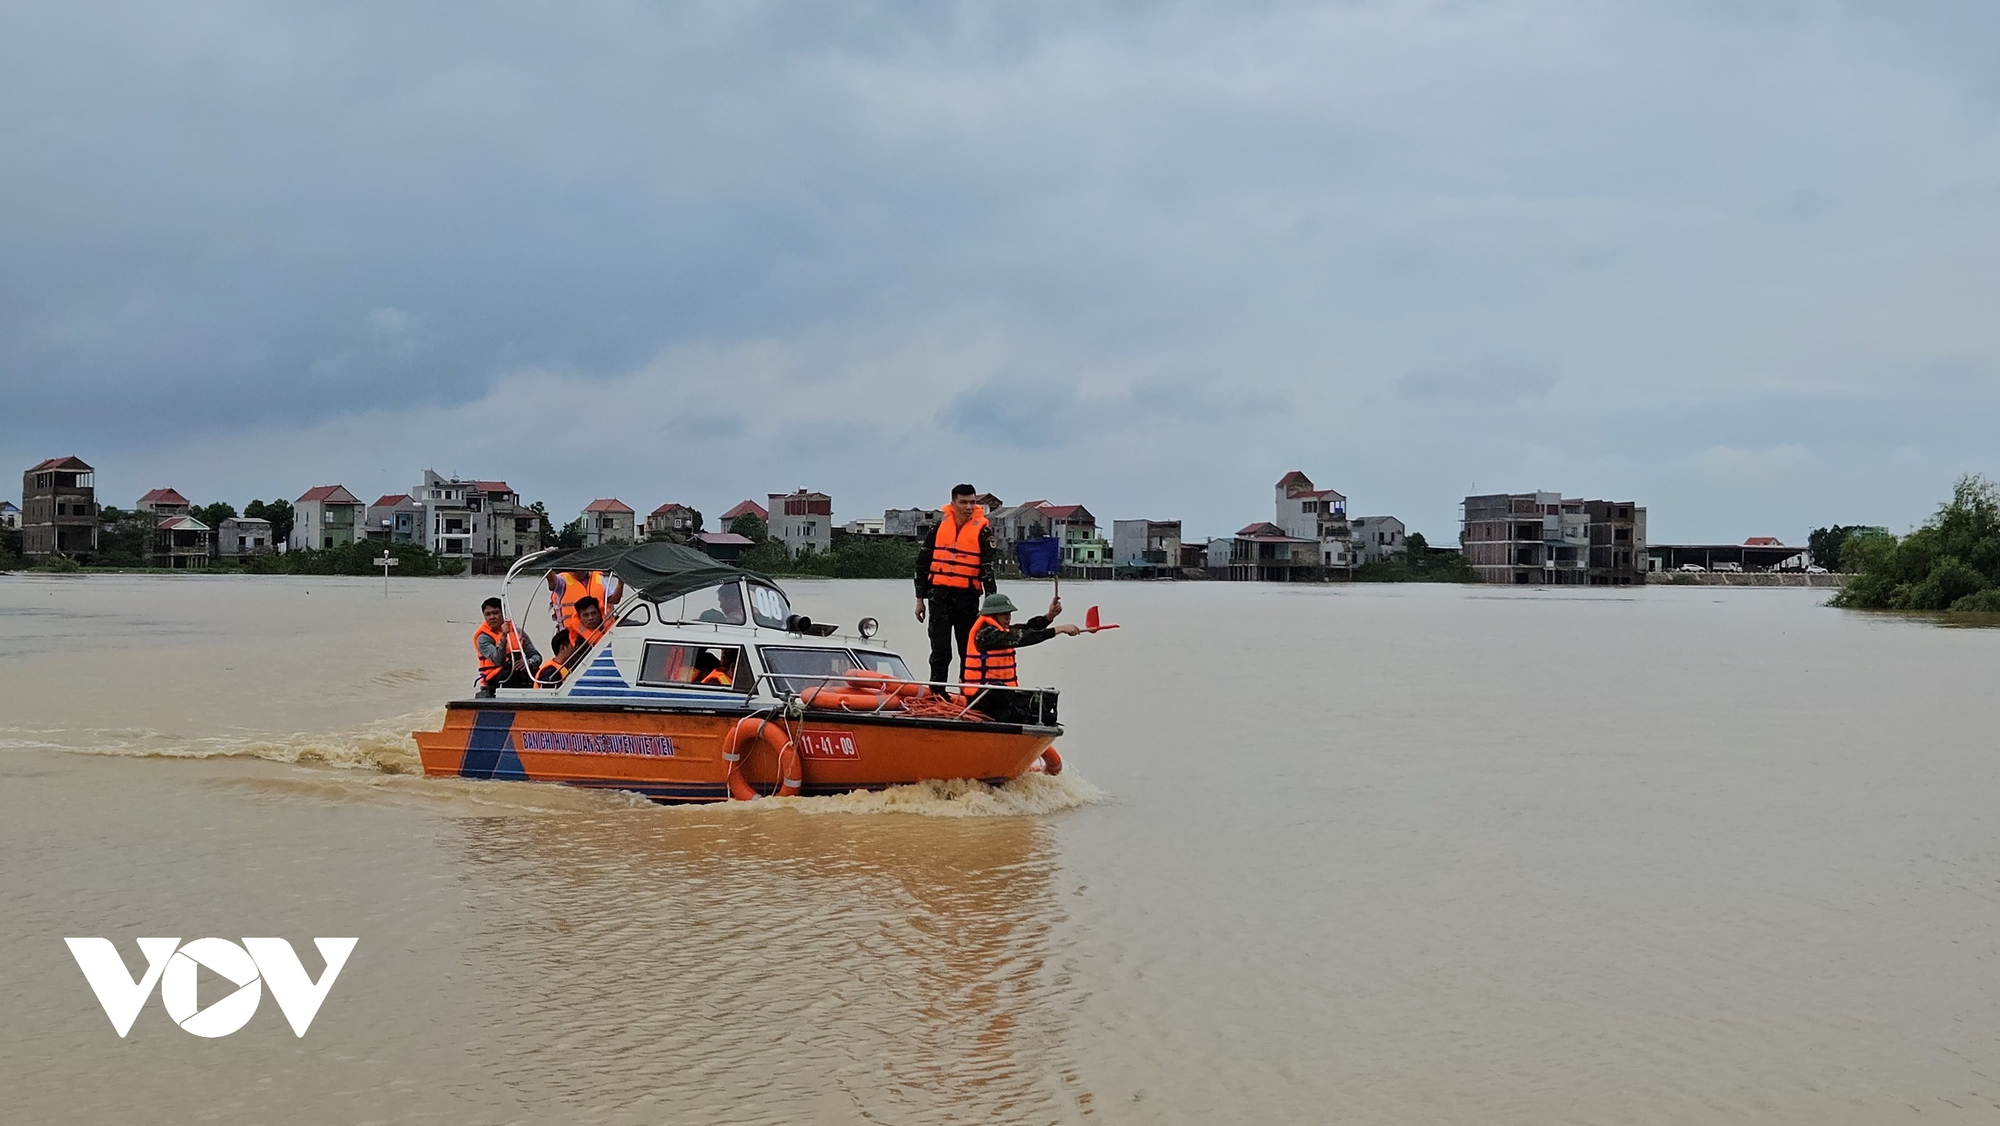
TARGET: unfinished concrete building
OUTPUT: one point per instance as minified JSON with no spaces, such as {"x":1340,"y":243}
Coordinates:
{"x":1546,"y":539}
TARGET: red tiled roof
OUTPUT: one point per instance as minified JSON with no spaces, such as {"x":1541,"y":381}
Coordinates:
{"x":492,"y":486}
{"x":603,"y":504}
{"x":1064,"y":511}
{"x":182,"y":524}
{"x":71,"y":462}
{"x":669,"y":508}
{"x":330,"y":494}
{"x":724,"y":539}
{"x":163,"y":496}
{"x":1321,"y":493}
{"x":749,"y":506}
{"x":1762,"y":541}
{"x":1294,"y":477}
{"x":391,"y":501}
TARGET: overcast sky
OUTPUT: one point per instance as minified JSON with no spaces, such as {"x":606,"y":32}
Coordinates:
{"x":1739,"y":262}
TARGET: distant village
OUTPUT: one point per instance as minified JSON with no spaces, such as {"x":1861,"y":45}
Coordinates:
{"x":480,"y":526}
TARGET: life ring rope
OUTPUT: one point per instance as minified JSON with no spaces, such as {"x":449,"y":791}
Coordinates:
{"x":791,"y":773}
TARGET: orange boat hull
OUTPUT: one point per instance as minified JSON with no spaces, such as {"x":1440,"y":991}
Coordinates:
{"x":676,"y":756}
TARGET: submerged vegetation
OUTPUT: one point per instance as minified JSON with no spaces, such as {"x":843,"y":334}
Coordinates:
{"x":1951,"y":563}
{"x":355,"y":559}
{"x":1417,"y":565}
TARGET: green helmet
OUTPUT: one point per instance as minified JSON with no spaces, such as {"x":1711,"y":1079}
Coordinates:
{"x":997,"y":604}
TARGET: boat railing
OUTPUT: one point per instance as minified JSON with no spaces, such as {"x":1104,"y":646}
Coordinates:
{"x":783,"y":686}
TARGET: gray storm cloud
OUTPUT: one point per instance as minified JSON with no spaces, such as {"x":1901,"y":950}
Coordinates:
{"x":1146,"y":257}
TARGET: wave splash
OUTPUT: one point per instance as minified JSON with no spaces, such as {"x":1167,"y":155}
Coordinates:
{"x":1032,"y":793}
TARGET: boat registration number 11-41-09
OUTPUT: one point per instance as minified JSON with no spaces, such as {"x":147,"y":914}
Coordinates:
{"x":827,"y":744}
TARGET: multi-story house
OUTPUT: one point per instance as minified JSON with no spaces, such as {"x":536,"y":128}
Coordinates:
{"x":1617,"y":532}
{"x":454,"y":518}
{"x":477,"y":521}
{"x":1013,"y":523}
{"x":1377,"y":539}
{"x":10,"y":516}
{"x":326,"y":517}
{"x":181,"y":542}
{"x":745,"y":508}
{"x":801,"y":520}
{"x":241,"y":536}
{"x":59,"y":508}
{"x":512,"y":529}
{"x":910,"y":523}
{"x":397,"y":518}
{"x":672,"y":522}
{"x":163,"y":502}
{"x":1077,"y":529}
{"x":1546,"y":539}
{"x":1320,"y":515}
{"x":1267,"y":552}
{"x":607,"y":519}
{"x":1143,"y":545}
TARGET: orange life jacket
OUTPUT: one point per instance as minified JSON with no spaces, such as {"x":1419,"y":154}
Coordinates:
{"x":550,"y":675}
{"x":585,"y":638}
{"x":505,"y":638}
{"x":716,"y":676}
{"x":571,"y":590}
{"x":986,"y":667}
{"x":955,"y":557}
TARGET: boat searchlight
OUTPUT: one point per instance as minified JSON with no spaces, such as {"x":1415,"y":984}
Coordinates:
{"x":869,"y":627}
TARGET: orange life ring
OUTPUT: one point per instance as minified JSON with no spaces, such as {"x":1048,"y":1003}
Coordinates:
{"x":747,"y":729}
{"x":1050,"y":763}
{"x":870,"y":680}
{"x":834,"y":698}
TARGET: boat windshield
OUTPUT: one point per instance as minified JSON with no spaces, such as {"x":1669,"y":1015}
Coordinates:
{"x":795,"y":670}
{"x":721,"y":605}
{"x":769,"y":605}
{"x":883,"y":662}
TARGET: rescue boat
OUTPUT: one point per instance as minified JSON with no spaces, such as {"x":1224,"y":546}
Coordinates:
{"x":797,"y":707}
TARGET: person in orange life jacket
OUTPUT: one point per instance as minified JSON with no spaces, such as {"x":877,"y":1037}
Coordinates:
{"x":589,"y":625}
{"x":567,"y":588}
{"x":552,"y":672}
{"x":502,"y":650}
{"x":990,"y":661}
{"x":708,"y":670}
{"x":954,"y":567}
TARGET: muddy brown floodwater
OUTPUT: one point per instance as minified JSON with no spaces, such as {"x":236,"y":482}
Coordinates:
{"x":1363,"y":854}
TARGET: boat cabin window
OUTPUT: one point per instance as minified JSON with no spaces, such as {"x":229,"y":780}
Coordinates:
{"x":640,"y":614}
{"x":669,"y":663}
{"x":795,"y":670}
{"x":883,"y":662}
{"x":721,"y":605}
{"x":769,"y":605}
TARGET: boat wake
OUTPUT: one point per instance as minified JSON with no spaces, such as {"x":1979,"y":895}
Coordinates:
{"x":385,"y":747}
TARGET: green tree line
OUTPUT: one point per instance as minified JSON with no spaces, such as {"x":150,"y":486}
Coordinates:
{"x":1951,"y":563}
{"x":848,"y":557}
{"x":1416,"y":565}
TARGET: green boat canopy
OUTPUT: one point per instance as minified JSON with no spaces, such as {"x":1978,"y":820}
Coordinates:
{"x":655,"y":572}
